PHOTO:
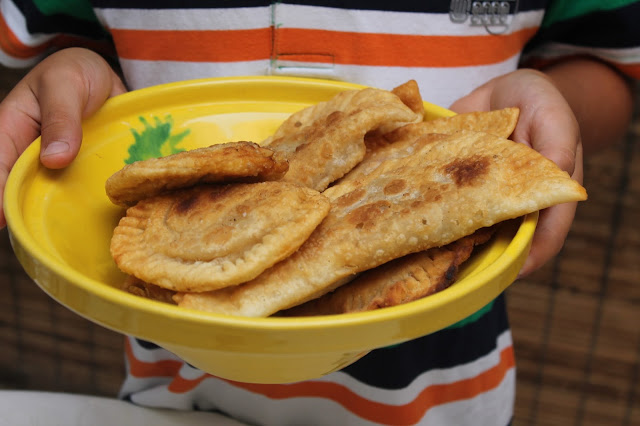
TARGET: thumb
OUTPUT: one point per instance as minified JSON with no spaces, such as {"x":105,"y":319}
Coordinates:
{"x":61,"y":131}
{"x":478,"y":100}
{"x":66,"y":96}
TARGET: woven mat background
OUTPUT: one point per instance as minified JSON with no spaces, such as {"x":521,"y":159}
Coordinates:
{"x":575,"y":322}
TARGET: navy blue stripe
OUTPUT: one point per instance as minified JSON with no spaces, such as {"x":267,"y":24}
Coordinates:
{"x":396,"y":367}
{"x":605,"y":29}
{"x":431,"y":6}
{"x":153,"y":347}
{"x":178,"y":4}
{"x":147,"y":345}
{"x":37,"y":22}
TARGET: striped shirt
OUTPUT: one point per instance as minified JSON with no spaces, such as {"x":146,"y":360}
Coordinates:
{"x":448,"y":46}
{"x":462,"y":375}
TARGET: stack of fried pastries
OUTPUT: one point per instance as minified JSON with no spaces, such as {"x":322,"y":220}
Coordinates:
{"x":352,"y":204}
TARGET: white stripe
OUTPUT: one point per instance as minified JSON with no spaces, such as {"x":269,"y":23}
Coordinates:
{"x":297,"y":16}
{"x":491,"y":408}
{"x":428,"y":378}
{"x":440,"y":86}
{"x":555,"y":50}
{"x":11,"y":62}
{"x":133,"y":384}
{"x":186,"y":19}
{"x":154,"y":392}
{"x":374,"y":21}
{"x":141,"y":74}
{"x":18,"y":25}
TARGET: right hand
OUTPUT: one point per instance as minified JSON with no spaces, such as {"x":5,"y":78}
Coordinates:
{"x":547,"y":124}
{"x":51,"y":101}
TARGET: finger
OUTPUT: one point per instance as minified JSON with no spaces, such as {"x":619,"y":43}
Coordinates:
{"x":546,"y":122}
{"x":3,"y":180}
{"x":477,"y":100}
{"x":555,"y":134}
{"x":61,"y":108}
{"x":553,"y":227}
{"x":8,"y":156}
{"x":18,"y":129}
{"x":4,"y":174}
{"x":51,"y":101}
{"x":66,"y":96}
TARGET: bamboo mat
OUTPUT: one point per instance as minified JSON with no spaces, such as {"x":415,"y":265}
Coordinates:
{"x":575,"y":322}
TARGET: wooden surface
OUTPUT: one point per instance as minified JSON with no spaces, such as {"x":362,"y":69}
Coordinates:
{"x":575,"y":322}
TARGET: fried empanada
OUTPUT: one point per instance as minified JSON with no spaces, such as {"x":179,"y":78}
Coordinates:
{"x":445,"y":190}
{"x":140,"y":288}
{"x":500,"y":122}
{"x":407,"y":138}
{"x":326,"y":140}
{"x":232,"y":161}
{"x":212,"y":236}
{"x":409,"y":94}
{"x":375,"y":157}
{"x":399,"y":281}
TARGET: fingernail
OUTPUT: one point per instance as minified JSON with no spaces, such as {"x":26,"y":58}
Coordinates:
{"x":55,"y":148}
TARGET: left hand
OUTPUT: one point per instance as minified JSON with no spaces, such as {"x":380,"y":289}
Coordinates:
{"x":548,"y":125}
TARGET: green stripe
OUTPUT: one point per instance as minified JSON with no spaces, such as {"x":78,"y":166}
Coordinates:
{"x":80,"y":9}
{"x":561,"y":10}
{"x":473,"y":317}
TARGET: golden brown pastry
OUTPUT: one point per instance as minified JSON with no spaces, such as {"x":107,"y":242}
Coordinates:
{"x":213,"y":236}
{"x":140,"y":288}
{"x":326,"y":140}
{"x":399,"y":281}
{"x":443,"y":191}
{"x":500,"y":122}
{"x":380,"y":154}
{"x":409,"y":94}
{"x":232,"y":161}
{"x":407,"y":138}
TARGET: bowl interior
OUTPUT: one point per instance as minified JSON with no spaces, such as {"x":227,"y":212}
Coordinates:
{"x":61,"y":222}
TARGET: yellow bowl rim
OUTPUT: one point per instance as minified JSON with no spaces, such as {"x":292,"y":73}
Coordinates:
{"x":18,"y":232}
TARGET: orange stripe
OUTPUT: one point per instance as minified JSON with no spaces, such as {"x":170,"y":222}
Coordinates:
{"x":181,"y":385}
{"x":312,"y":45}
{"x":403,"y":50}
{"x":12,"y":46}
{"x":193,"y":46}
{"x":406,"y":414}
{"x":137,"y":368}
{"x":632,"y":70}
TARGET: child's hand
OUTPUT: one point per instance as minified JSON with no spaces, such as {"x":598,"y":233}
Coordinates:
{"x":51,"y":101}
{"x":547,"y":124}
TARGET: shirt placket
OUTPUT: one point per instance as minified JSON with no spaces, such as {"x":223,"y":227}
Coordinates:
{"x":288,"y":56}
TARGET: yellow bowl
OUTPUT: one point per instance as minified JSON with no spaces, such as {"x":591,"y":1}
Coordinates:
{"x":60,"y":224}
